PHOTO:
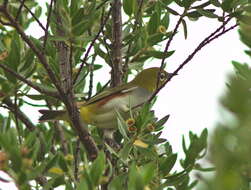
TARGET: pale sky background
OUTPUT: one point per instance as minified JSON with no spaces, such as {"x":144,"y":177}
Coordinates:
{"x":192,"y":97}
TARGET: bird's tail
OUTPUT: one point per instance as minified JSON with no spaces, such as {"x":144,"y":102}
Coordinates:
{"x":52,"y":115}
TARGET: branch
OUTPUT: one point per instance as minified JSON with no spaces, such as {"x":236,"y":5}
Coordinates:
{"x":21,"y":116}
{"x":38,"y":53}
{"x":76,"y":160}
{"x":169,"y":42}
{"x":20,"y":8}
{"x":32,"y":14}
{"x":60,"y":134}
{"x":47,"y":24}
{"x":116,"y":73}
{"x":91,"y":45}
{"x":64,"y":53}
{"x":29,"y":83}
{"x":206,"y":41}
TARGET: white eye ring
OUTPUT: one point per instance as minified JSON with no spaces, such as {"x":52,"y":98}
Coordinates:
{"x":162,"y":76}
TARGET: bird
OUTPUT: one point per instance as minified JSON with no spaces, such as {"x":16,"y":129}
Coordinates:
{"x":101,"y":110}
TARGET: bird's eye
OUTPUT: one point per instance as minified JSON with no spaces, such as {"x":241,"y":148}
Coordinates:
{"x":162,"y":76}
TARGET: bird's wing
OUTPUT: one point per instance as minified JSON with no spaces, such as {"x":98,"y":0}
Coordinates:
{"x":119,"y":90}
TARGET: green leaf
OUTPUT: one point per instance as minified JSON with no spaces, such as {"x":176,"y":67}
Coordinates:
{"x":122,"y":126}
{"x":81,"y":27}
{"x":172,"y":11}
{"x":162,"y":121}
{"x":118,"y":182}
{"x":129,"y":6}
{"x":125,"y":151}
{"x":135,"y":181}
{"x":207,"y":13}
{"x":97,"y":66}
{"x":14,"y":58}
{"x":166,"y":2}
{"x":215,"y":3}
{"x":148,"y":171}
{"x":184,"y":28}
{"x":155,"y":39}
{"x":179,"y":2}
{"x":83,"y":184}
{"x":153,"y":23}
{"x":227,"y":5}
{"x":27,"y":61}
{"x":166,"y":164}
{"x":98,"y":168}
{"x":62,"y":163}
{"x":165,"y":20}
{"x":159,"y":54}
{"x":51,"y":163}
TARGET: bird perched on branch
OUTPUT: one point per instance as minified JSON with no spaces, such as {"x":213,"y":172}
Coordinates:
{"x":101,"y":110}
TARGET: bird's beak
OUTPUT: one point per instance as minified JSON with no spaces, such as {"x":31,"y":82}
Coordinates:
{"x":171,"y":75}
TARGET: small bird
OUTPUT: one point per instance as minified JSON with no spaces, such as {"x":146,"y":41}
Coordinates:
{"x":101,"y":110}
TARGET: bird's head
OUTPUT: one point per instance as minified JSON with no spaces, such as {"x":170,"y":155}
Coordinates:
{"x":148,"y":78}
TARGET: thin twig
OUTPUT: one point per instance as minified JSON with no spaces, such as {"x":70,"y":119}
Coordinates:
{"x":60,"y":133}
{"x":37,"y":52}
{"x":21,"y":116}
{"x":91,"y":45}
{"x":34,"y":16}
{"x":47,"y":24}
{"x":91,"y":69}
{"x":20,"y":8}
{"x":206,"y":41}
{"x":16,"y":118}
{"x":101,"y":4}
{"x":29,"y":83}
{"x":169,"y":43}
{"x":76,"y":160}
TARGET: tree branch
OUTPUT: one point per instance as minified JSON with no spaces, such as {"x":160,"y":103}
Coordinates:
{"x":33,"y":15}
{"x":116,"y":73}
{"x":68,"y":94}
{"x":13,"y":108}
{"x":38,"y":53}
{"x":206,"y":41}
{"x":20,"y":8}
{"x":47,"y":24}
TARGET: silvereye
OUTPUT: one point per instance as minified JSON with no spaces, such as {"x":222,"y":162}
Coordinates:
{"x":101,"y":109}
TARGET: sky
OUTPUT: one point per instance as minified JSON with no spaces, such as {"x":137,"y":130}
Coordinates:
{"x":192,"y":97}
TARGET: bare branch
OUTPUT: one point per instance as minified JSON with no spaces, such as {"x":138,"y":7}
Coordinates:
{"x":33,"y":15}
{"x":169,"y":42}
{"x":116,"y":73}
{"x":91,"y":68}
{"x":206,"y":41}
